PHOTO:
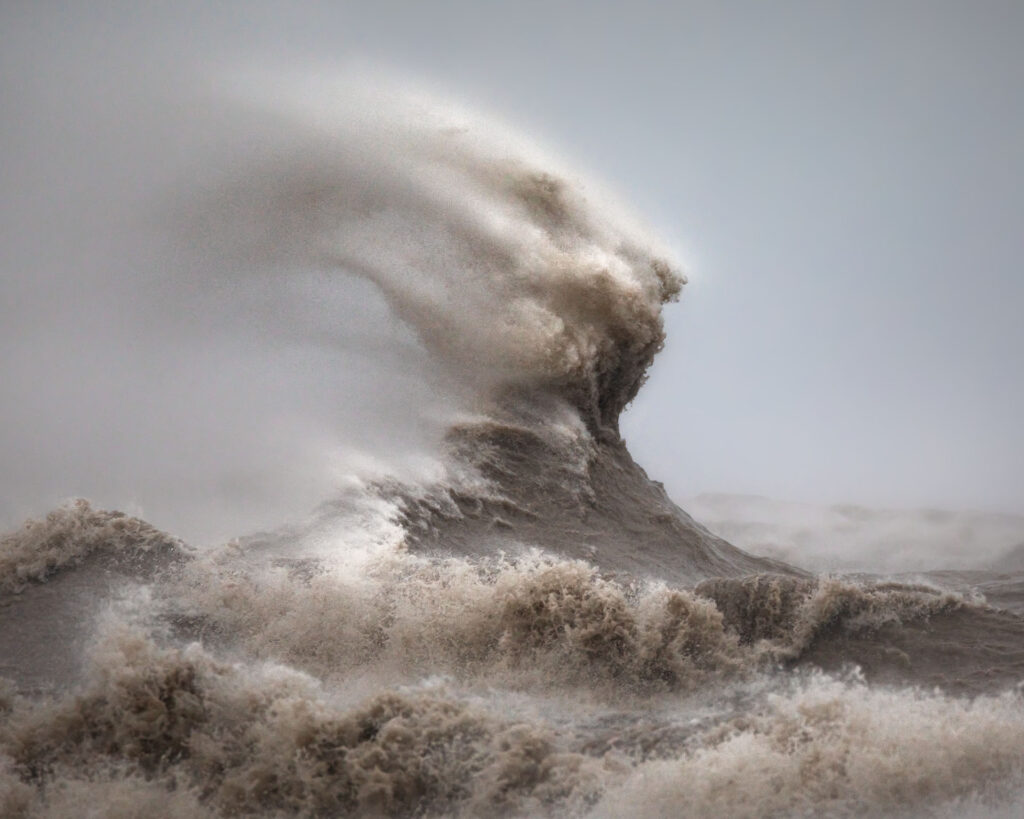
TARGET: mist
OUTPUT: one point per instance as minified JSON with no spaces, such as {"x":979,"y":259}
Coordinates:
{"x":161,"y":353}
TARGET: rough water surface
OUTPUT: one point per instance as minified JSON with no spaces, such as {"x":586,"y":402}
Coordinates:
{"x":533,"y":630}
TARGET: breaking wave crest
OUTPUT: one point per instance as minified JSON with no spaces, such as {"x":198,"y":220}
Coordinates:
{"x":534,"y":623}
{"x":538,"y":623}
{"x":512,"y":276}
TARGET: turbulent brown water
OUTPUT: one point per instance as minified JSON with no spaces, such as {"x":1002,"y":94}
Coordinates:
{"x":536,"y":629}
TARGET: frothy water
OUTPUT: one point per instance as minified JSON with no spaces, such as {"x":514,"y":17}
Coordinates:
{"x":524,"y":625}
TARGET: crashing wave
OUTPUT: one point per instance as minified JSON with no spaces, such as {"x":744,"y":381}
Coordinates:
{"x":535,"y":628}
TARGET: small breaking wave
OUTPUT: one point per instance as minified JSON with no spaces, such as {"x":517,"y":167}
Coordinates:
{"x":790,"y":613}
{"x":74,"y":532}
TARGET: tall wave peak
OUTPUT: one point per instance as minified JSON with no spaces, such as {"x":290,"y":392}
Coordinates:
{"x":521,"y":623}
{"x":517,"y":280}
{"x":535,"y":295}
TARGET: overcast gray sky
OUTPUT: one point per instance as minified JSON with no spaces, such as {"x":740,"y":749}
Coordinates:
{"x":844,"y":181}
